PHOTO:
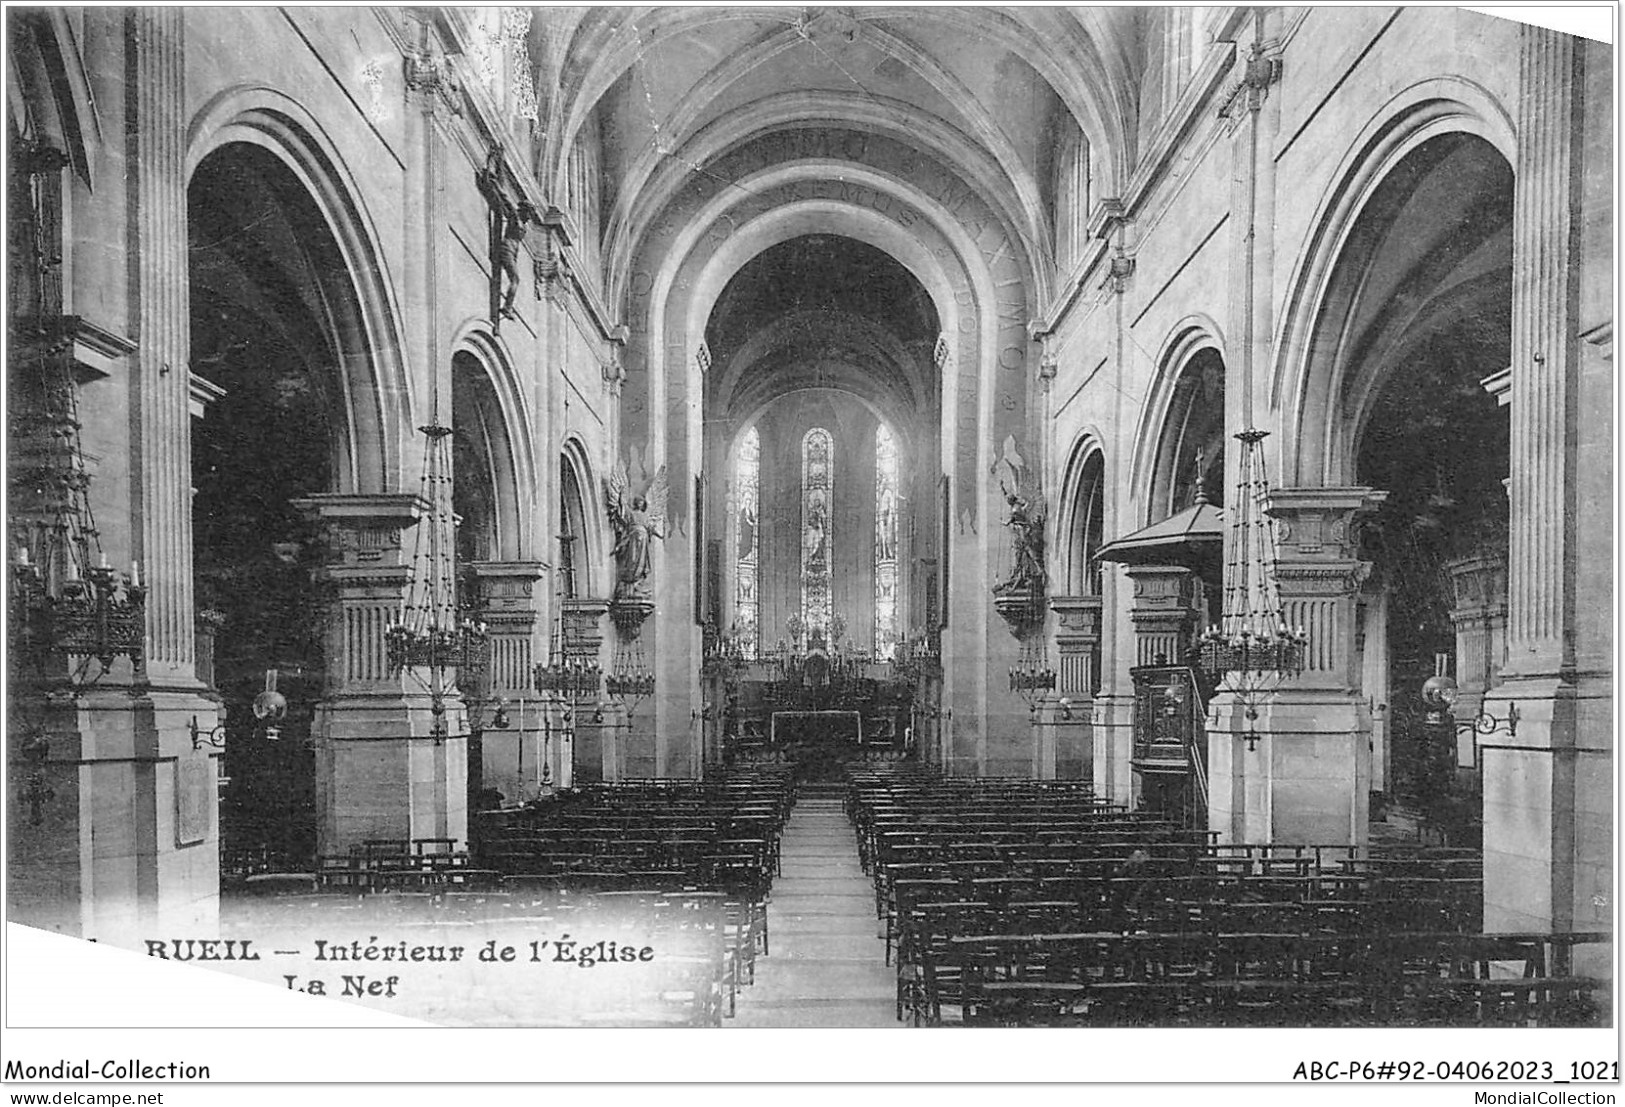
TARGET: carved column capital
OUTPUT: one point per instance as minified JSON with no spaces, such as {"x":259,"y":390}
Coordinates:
{"x":1261,"y":70}
{"x":584,"y":626}
{"x":614,"y":372}
{"x":1320,"y":524}
{"x":504,"y":591}
{"x":1318,"y":572}
{"x":1077,"y":618}
{"x":364,"y":529}
{"x":431,"y":83}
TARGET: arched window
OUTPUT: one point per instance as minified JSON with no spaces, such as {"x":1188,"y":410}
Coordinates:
{"x":817,"y":494}
{"x":747,"y":501}
{"x":572,"y":532}
{"x":1088,"y":533}
{"x":885,"y":639}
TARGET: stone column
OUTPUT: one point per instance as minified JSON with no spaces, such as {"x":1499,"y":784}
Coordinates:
{"x":1307,"y":776}
{"x":381,"y":771}
{"x":1530,"y":843}
{"x":113,"y":822}
{"x":1077,"y":641}
{"x":505,"y":601}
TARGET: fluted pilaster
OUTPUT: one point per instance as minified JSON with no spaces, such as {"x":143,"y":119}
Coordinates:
{"x":160,"y":389}
{"x":506,"y":603}
{"x":1077,"y":641}
{"x":1541,"y":579}
{"x":369,"y":575}
{"x":1318,"y":573}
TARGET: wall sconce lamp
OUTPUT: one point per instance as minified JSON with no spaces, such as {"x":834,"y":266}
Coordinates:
{"x":598,"y":714}
{"x":270,"y":708}
{"x":1066,"y":709}
{"x":214,"y":737}
{"x":1439,"y":694}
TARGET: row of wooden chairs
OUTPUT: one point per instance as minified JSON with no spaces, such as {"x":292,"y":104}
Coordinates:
{"x":1252,"y":979}
{"x":659,"y":837}
{"x":1054,"y":915}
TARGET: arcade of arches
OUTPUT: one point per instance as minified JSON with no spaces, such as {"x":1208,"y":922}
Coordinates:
{"x":824,"y":391}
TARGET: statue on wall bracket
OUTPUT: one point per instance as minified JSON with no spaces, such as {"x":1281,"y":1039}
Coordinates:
{"x":1019,"y":598}
{"x":638,"y":519}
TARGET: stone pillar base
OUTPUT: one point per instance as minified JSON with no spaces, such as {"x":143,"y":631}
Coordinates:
{"x":1548,"y":809}
{"x":1307,"y":779}
{"x":1007,"y":748}
{"x":112,"y":817}
{"x":1111,"y":733}
{"x":381,"y":773}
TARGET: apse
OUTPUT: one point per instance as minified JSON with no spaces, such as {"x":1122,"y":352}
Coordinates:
{"x":821,"y":408}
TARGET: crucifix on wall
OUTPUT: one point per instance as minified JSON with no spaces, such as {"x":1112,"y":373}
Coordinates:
{"x":509,"y":222}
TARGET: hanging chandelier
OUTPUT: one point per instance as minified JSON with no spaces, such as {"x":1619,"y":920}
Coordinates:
{"x":69,"y":607}
{"x":1031,"y":677}
{"x":630,"y":679}
{"x":1253,"y":649}
{"x":564,"y":675}
{"x":428,"y":639}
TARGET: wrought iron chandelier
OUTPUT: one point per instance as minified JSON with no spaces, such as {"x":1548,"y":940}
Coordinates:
{"x":1031,"y":677}
{"x":69,"y":607}
{"x":428,"y":639}
{"x":630,"y":679}
{"x":564,"y":676}
{"x":1253,"y":649}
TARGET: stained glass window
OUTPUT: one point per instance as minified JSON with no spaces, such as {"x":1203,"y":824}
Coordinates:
{"x":817,"y":488}
{"x":885,"y":543}
{"x":747,"y":501}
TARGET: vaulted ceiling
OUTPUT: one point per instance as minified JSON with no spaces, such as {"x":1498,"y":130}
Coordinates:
{"x":979,"y":88}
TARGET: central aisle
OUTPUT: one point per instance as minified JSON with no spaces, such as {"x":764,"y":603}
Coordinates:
{"x":827,"y":968}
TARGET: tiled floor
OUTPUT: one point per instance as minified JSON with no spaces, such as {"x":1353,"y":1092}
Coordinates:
{"x":827,"y":966}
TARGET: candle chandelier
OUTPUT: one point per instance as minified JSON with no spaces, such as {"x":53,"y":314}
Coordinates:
{"x":1253,"y":649}
{"x":917,"y":656}
{"x":72,"y":614}
{"x":630,"y":679}
{"x":565,"y":675}
{"x":1031,"y":677}
{"x":428,"y":639}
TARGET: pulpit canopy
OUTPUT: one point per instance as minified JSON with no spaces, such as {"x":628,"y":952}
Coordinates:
{"x":1193,"y":539}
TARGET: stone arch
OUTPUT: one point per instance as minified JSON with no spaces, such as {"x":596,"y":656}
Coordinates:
{"x":664,"y":177}
{"x":1150,"y":482}
{"x":873,"y":189}
{"x":1080,"y":523}
{"x":47,"y":89}
{"x":1305,"y":379}
{"x":376,"y":390}
{"x":907,"y":393}
{"x":592,"y":558}
{"x":485,"y":393}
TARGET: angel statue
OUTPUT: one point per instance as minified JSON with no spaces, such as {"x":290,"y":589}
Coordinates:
{"x":1028,"y":511}
{"x":637,"y":520}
